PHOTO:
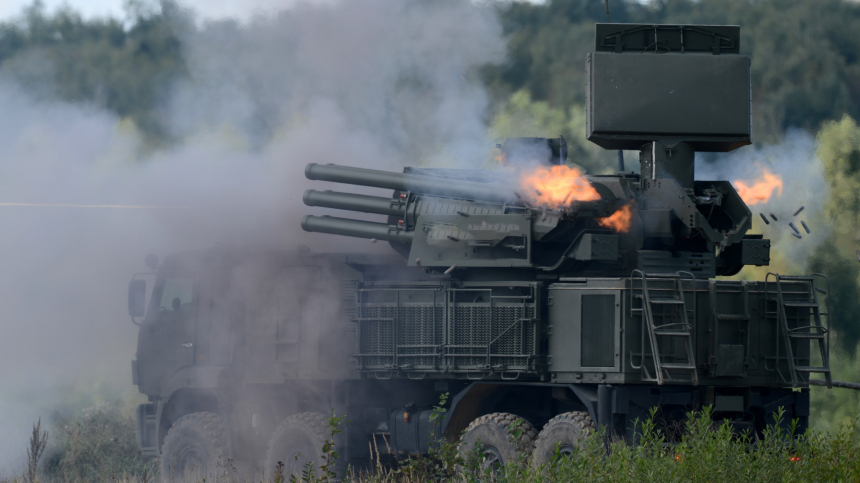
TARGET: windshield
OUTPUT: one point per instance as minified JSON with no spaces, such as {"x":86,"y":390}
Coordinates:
{"x":176,"y":295}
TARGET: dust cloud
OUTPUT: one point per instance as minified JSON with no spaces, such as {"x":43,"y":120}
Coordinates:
{"x":377,"y":83}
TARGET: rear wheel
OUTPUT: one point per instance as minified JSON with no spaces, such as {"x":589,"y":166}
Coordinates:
{"x":297,"y":444}
{"x":563,"y":433}
{"x":195,"y":447}
{"x":497,"y":439}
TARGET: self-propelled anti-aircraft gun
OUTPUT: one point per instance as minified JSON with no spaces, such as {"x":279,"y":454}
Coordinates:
{"x":526,"y":292}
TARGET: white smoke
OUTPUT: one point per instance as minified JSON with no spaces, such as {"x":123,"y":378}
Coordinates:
{"x":378,"y":83}
{"x":795,"y":162}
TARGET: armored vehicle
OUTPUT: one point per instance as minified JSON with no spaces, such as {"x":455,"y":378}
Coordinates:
{"x":568,"y":308}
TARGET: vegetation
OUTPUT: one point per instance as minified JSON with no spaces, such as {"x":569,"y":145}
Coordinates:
{"x":38,"y":443}
{"x":96,"y":444}
{"x":99,"y":62}
{"x":706,"y":452}
{"x":805,"y":59}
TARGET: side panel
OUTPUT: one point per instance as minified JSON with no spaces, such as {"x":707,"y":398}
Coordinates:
{"x":597,"y":333}
{"x":584,"y":329}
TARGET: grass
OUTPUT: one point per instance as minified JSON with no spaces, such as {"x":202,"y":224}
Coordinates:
{"x":707,"y":452}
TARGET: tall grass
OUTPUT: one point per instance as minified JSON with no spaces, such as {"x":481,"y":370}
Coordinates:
{"x":707,"y":452}
{"x":99,"y":447}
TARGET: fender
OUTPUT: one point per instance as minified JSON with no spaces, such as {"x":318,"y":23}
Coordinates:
{"x":198,"y":383}
{"x":465,"y":407}
{"x":196,"y":377}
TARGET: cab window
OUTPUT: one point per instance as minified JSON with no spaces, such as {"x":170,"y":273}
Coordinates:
{"x":177,"y":295}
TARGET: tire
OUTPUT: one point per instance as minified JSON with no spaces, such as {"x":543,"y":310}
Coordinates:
{"x":495,"y":445}
{"x":567,"y":431}
{"x":297,"y":442}
{"x":195,"y":447}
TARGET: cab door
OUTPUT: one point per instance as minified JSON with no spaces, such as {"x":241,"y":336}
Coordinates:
{"x":166,"y":341}
{"x":283,"y":326}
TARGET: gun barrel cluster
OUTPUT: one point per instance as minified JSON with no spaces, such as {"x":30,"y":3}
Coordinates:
{"x":396,"y":206}
{"x":452,"y":188}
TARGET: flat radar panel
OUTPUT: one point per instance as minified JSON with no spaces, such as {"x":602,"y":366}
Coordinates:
{"x":634,"y":99}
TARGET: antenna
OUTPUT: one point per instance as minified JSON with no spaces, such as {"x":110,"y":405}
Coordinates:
{"x":607,"y":11}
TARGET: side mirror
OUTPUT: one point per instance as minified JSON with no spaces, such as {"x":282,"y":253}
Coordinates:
{"x":137,"y":298}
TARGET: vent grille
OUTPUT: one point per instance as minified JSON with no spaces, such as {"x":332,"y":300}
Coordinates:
{"x":468,"y":331}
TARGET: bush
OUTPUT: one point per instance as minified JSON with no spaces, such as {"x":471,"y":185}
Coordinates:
{"x":96,"y":444}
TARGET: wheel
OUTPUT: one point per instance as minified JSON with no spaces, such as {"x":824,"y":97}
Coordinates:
{"x":194,"y":447}
{"x":565,"y":431}
{"x":491,"y":438}
{"x":297,"y":442}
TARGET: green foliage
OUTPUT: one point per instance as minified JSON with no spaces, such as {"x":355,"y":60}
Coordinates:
{"x":843,"y":302}
{"x":99,"y":62}
{"x":327,"y":469}
{"x":805,"y":69}
{"x":831,"y":409}
{"x":839,"y":150}
{"x":522,"y":116}
{"x":96,"y":444}
{"x":707,"y":452}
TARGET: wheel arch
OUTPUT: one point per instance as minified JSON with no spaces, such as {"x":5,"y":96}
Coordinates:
{"x":479,"y":398}
{"x":189,"y":390}
{"x":181,"y":403}
{"x":467,"y":405}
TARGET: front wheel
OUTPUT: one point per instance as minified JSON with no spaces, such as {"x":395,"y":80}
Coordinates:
{"x":496,"y":440}
{"x":296,"y":446}
{"x":563,"y":434}
{"x":194,"y":448}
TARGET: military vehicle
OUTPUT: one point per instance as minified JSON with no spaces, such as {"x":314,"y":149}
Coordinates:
{"x":569,"y":314}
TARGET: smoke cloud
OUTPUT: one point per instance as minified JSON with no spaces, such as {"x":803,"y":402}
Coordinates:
{"x":377,"y":83}
{"x":802,"y":173}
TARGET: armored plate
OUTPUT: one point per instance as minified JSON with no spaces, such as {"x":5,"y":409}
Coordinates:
{"x":476,"y":241}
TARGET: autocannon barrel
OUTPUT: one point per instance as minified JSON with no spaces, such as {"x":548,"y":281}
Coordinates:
{"x":454,"y":188}
{"x":352,"y":202}
{"x":356,"y":228}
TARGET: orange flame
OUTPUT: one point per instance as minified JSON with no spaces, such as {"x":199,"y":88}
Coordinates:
{"x":555,"y":186}
{"x":618,"y":221}
{"x":761,"y":190}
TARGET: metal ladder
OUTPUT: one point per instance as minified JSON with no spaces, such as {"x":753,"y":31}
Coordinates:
{"x":679,"y":329}
{"x":816,"y":331}
{"x":719,"y":318}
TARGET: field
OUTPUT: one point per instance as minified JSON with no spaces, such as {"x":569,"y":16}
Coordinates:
{"x":99,"y":446}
